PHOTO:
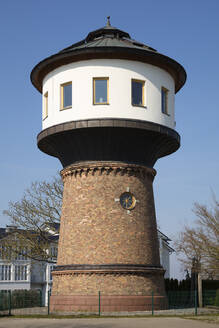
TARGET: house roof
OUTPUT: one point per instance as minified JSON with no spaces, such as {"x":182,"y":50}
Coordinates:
{"x":111,"y":43}
{"x":53,"y":225}
{"x":9,"y":230}
{"x":163,"y":235}
{"x":5,"y":232}
{"x":166,"y":241}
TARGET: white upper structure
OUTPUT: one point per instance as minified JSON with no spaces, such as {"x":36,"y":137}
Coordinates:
{"x":115,"y":84}
{"x":80,"y":76}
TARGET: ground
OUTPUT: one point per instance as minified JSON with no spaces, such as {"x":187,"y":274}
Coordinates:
{"x":105,"y":323}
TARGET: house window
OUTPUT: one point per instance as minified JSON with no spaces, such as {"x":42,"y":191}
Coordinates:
{"x":101,"y":91}
{"x":53,"y":251}
{"x":5,"y":272}
{"x":20,"y":272}
{"x":21,"y":253}
{"x":5,"y":252}
{"x":45,"y":105}
{"x":164,"y":100}
{"x":66,"y":95}
{"x":51,"y":268}
{"x":138,"y":93}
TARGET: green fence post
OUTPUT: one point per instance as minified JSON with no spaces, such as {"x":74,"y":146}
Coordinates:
{"x":9,"y":302}
{"x":99,"y":302}
{"x":41,"y":298}
{"x":152,"y":302}
{"x":196,"y":302}
{"x":48,"y":301}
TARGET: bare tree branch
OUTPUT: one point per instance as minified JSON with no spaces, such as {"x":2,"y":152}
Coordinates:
{"x":40,"y":205}
{"x":202,"y":241}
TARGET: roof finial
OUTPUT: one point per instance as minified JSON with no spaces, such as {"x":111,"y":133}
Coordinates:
{"x":108,"y":21}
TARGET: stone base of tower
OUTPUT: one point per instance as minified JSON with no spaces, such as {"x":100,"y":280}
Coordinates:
{"x":115,"y":303}
{"x":119,"y":290}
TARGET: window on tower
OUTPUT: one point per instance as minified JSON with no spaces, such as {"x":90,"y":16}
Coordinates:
{"x":66,"y":95}
{"x":45,"y":105}
{"x":138,"y":87}
{"x":164,"y":100}
{"x":100,"y":90}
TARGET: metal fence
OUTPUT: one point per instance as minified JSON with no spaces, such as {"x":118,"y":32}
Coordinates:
{"x":19,"y":299}
{"x":24,"y":302}
{"x":210,"y":298}
{"x":175,"y":303}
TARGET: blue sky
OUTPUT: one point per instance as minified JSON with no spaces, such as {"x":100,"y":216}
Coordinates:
{"x":187,"y":31}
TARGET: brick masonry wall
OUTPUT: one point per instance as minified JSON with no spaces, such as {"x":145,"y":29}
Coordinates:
{"x":95,"y":229}
{"x":108,"y":284}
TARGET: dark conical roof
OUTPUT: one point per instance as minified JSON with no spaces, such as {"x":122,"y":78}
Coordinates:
{"x":107,"y":36}
{"x":112,"y":43}
{"x":107,"y":30}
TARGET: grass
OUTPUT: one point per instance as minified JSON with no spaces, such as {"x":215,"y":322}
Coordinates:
{"x":210,"y":318}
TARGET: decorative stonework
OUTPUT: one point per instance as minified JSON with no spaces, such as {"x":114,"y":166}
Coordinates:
{"x":107,"y":168}
{"x":116,"y":269}
{"x":105,"y":272}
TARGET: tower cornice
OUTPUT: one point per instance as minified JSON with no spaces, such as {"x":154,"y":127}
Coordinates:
{"x":102,"y":168}
{"x":108,"y":52}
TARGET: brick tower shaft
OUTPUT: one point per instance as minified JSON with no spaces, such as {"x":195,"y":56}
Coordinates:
{"x":103,"y":247}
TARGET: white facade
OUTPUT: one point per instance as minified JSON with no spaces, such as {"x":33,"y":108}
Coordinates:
{"x":15,"y":274}
{"x":120,"y":74}
{"x":41,"y":278}
{"x":18,"y":272}
{"x":38,"y":276}
{"x":165,"y":252}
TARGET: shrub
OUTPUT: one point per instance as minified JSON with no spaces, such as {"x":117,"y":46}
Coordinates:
{"x":216,"y":302}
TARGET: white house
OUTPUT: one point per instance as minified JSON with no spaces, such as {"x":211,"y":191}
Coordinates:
{"x":165,"y":252}
{"x":20,"y":272}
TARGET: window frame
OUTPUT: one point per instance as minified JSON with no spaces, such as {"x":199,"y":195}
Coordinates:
{"x":45,"y":104}
{"x":62,"y":95}
{"x":107,"y":90}
{"x":21,"y":254}
{"x":20,"y":272}
{"x":143,"y":93}
{"x":53,"y":252}
{"x":51,"y":268}
{"x":166,"y":91}
{"x":5,"y":272}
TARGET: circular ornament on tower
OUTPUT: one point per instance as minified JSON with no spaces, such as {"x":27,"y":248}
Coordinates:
{"x":127,"y":201}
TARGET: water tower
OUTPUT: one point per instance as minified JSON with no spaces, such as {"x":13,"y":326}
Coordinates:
{"x":108,"y":116}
